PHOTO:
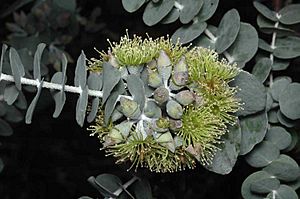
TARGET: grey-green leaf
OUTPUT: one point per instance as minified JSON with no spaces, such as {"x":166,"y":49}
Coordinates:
{"x":190,"y":9}
{"x":254,"y":128}
{"x":5,"y":129}
{"x":16,"y":67}
{"x":109,"y":183}
{"x":289,"y":101}
{"x":81,"y":106}
{"x":287,"y":47}
{"x":285,"y":121}
{"x":32,"y":105}
{"x":263,"y":154}
{"x":136,"y":88}
{"x":111,"y":77}
{"x":37,"y":61}
{"x":112,"y":100}
{"x":155,"y":12}
{"x":4,"y":48}
{"x":225,"y":158}
{"x":142,"y":189}
{"x":252,"y":93}
{"x":280,"y":64}
{"x":284,"y":192}
{"x":188,"y":33}
{"x":284,"y":168}
{"x":264,"y":184}
{"x":290,"y":14}
{"x":11,"y":94}
{"x":94,"y":110}
{"x":228,"y":30}
{"x":132,"y":5}
{"x":80,"y":71}
{"x":208,"y":9}
{"x":265,"y":11}
{"x":262,"y":69}
{"x":278,"y":86}
{"x":171,"y":17}
{"x":245,"y":45}
{"x":279,"y":137}
{"x":262,"y":44}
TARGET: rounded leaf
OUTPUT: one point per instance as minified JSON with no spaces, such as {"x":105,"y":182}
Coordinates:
{"x":132,"y":5}
{"x":278,"y":86}
{"x":5,"y":129}
{"x":284,"y":192}
{"x":289,"y":101}
{"x":188,"y":33}
{"x":190,"y":9}
{"x":279,"y":137}
{"x":290,"y":14}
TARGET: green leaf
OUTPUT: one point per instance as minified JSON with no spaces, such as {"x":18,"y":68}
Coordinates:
{"x":5,"y":129}
{"x":60,"y":96}
{"x":289,"y":101}
{"x":21,"y":101}
{"x":13,"y":114}
{"x":225,"y":159}
{"x":69,"y":5}
{"x":152,"y":110}
{"x":80,"y":71}
{"x":287,"y":47}
{"x":280,"y":64}
{"x":32,"y":105}
{"x":16,"y":67}
{"x":188,"y":33}
{"x":136,"y":88}
{"x":132,"y":5}
{"x":249,"y":181}
{"x":142,"y":189}
{"x":272,"y":116}
{"x":228,"y":30}
{"x":279,"y":137}
{"x":108,"y":183}
{"x":111,"y":77}
{"x":11,"y":94}
{"x":95,"y":83}
{"x":1,"y":165}
{"x":254,"y":128}
{"x":37,"y":61}
{"x":262,"y":69}
{"x":81,"y":106}
{"x":171,"y":17}
{"x":285,"y":121}
{"x":264,"y":183}
{"x":279,"y":85}
{"x":267,"y":26}
{"x":94,"y":110}
{"x":265,"y":11}
{"x":245,"y":44}
{"x":190,"y":9}
{"x":155,"y":12}
{"x":208,"y":9}
{"x":4,"y":48}
{"x":264,"y":45}
{"x":252,"y":93}
{"x":112,"y":100}
{"x":284,"y":168}
{"x":284,"y":192}
{"x":290,"y":14}
{"x":262,"y":154}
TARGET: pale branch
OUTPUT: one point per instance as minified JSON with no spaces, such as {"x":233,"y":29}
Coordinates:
{"x":49,"y":85}
{"x":273,"y":46}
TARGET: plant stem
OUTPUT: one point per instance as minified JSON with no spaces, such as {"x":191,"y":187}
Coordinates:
{"x":125,"y":186}
{"x":273,"y":46}
{"x":49,"y":85}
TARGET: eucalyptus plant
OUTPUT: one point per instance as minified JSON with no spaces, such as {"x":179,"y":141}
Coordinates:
{"x":164,"y":106}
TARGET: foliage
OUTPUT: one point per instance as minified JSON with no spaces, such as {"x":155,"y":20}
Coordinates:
{"x":161,"y":105}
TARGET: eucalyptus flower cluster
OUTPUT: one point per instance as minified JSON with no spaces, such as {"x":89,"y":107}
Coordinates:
{"x":175,"y":106}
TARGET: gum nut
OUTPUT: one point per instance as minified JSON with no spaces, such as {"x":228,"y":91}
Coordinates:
{"x":174,"y":109}
{"x":161,"y":95}
{"x":154,"y":79}
{"x":116,"y":136}
{"x":129,"y":107}
{"x":198,"y":100}
{"x":174,"y":87}
{"x":157,"y":128}
{"x":185,"y":97}
{"x":116,"y":115}
{"x":175,"y":125}
{"x":181,"y":66}
{"x":180,"y":78}
{"x":163,"y":59}
{"x":124,"y":128}
{"x":152,"y":110}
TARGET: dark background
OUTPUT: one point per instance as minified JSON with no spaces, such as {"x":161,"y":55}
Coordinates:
{"x":52,"y":158}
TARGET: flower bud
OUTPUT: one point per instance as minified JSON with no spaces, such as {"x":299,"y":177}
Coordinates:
{"x":124,"y":128}
{"x":163,"y":59}
{"x":174,"y":109}
{"x":112,"y":60}
{"x":115,"y":136}
{"x":185,"y":97}
{"x":199,"y":101}
{"x":116,"y":115}
{"x":166,"y":139}
{"x":175,"y":125}
{"x":181,"y":74}
{"x":130,"y":108}
{"x":152,"y":110}
{"x":154,"y":79}
{"x":162,"y":123}
{"x":161,"y":95}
